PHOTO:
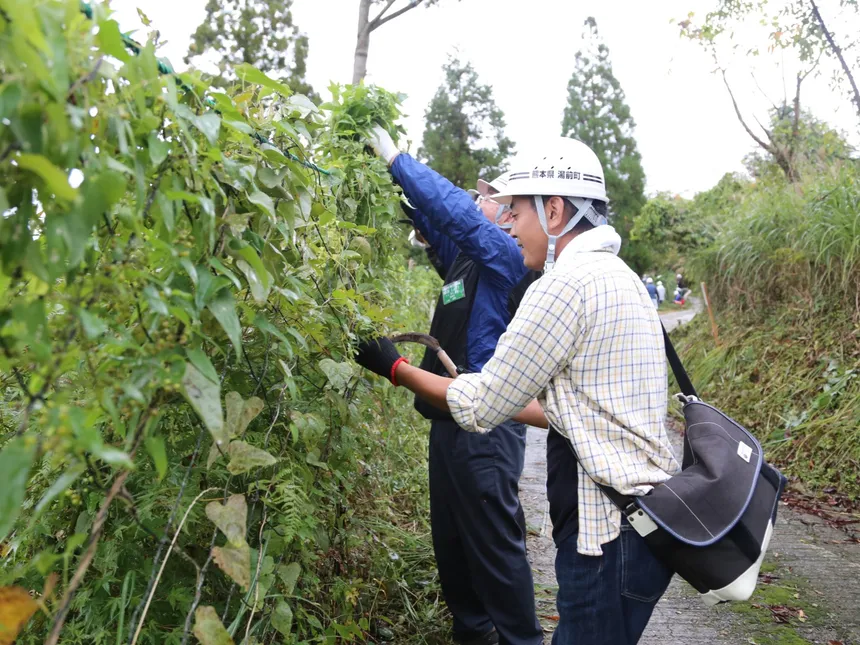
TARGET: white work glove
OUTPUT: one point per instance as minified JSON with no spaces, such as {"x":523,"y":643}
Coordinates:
{"x":382,"y":144}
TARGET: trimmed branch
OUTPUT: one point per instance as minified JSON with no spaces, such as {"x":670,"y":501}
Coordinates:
{"x":838,"y":52}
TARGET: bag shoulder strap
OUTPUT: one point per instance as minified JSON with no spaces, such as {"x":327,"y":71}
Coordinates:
{"x":678,"y":370}
{"x":623,"y":501}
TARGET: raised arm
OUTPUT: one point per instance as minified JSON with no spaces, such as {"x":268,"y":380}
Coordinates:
{"x":452,"y":210}
{"x":441,"y":244}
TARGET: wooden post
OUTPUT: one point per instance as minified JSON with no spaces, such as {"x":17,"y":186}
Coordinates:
{"x":711,"y":315}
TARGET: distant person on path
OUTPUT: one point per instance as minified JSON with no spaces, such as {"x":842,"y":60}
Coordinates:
{"x":652,"y":292}
{"x":583,"y":355}
{"x":682,"y":286}
{"x":661,"y":292}
{"x":476,"y":520}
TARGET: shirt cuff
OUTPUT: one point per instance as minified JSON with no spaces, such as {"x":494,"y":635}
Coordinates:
{"x":462,"y":398}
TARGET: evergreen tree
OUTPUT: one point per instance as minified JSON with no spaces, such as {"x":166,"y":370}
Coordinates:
{"x":464,"y":137}
{"x":258,"y":32}
{"x":598,"y":115}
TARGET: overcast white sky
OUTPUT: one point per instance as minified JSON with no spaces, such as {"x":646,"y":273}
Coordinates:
{"x":686,"y":129}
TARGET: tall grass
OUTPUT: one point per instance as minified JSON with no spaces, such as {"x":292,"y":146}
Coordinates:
{"x":789,"y":244}
{"x":783,"y":274}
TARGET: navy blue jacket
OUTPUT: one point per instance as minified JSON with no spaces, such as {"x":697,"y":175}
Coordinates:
{"x":452,"y":223}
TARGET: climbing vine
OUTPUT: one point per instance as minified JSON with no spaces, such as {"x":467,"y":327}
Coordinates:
{"x":187,"y":449}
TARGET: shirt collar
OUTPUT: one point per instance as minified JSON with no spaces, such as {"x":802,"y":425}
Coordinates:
{"x":600,"y":238}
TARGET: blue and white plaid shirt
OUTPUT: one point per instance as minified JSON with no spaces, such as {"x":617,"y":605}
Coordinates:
{"x":587,"y":343}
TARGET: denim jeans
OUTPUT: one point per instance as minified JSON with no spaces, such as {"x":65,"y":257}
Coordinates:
{"x":607,"y":600}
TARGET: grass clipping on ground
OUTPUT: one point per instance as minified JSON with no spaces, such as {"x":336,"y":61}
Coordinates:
{"x":793,"y":379}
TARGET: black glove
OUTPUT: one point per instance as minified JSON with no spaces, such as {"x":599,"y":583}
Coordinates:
{"x":380,"y":356}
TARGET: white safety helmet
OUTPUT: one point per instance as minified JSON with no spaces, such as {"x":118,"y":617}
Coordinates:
{"x":678,"y":277}
{"x":566,"y":168}
{"x":649,"y":281}
{"x":488,"y":190}
{"x":659,"y":283}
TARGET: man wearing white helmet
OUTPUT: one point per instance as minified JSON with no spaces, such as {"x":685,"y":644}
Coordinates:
{"x":477,"y":522}
{"x":586,"y":343}
{"x":651,"y":288}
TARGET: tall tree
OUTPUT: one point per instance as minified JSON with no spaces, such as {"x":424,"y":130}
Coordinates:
{"x":366,"y":25}
{"x":258,"y":32}
{"x":464,"y":136}
{"x":597,"y":114}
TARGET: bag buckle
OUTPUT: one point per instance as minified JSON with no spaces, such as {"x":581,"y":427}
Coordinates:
{"x":640,"y":520}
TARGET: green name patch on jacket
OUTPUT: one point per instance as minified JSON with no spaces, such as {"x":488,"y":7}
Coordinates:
{"x":453,"y":292}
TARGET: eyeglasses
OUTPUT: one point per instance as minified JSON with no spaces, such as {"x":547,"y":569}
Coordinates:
{"x":503,"y":213}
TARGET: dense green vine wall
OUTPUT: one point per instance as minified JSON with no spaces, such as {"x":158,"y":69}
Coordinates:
{"x":179,"y":296}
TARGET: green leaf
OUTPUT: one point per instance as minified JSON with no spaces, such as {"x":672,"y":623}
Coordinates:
{"x":53,"y":177}
{"x":289,"y":575}
{"x":216,"y":264}
{"x":158,"y":149}
{"x":208,"y":627}
{"x":282,"y":618}
{"x":110,"y":40}
{"x":156,"y":304}
{"x":205,"y":203}
{"x":16,"y":460}
{"x":239,"y":126}
{"x":338,"y":374}
{"x":235,"y":561}
{"x":214,"y":454}
{"x":205,"y":397}
{"x":240,"y":412}
{"x":255,"y":272}
{"x":157,"y":450}
{"x":201,"y":361}
{"x":251,"y":74}
{"x":244,"y":457}
{"x":223,"y":307}
{"x":231,"y":518}
{"x":113,"y":456}
{"x":209,"y":124}
{"x":261,"y":199}
{"x":92,"y":324}
{"x":63,"y":482}
{"x":258,"y":290}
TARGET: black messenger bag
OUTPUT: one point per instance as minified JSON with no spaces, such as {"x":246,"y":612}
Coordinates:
{"x":712,"y":522}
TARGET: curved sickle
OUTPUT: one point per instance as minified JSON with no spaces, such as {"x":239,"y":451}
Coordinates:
{"x":430,"y":343}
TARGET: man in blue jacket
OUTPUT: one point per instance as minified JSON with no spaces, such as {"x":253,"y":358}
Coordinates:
{"x":477,"y":522}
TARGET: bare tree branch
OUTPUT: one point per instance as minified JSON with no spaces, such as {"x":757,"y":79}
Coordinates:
{"x":752,"y":134}
{"x":378,"y":23}
{"x":381,"y":13}
{"x":838,"y":52}
{"x":95,"y":533}
{"x":763,"y":93}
